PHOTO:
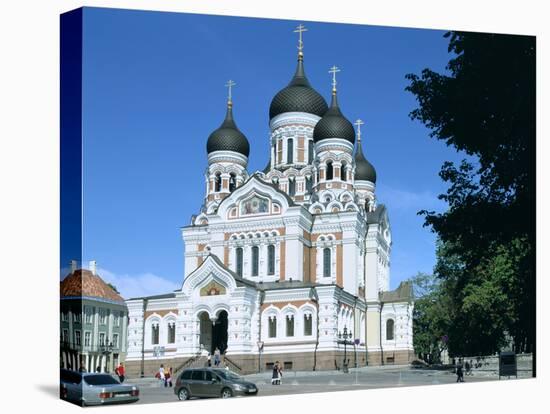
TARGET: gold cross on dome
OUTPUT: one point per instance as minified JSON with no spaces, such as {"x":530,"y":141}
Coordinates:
{"x":358,"y":124}
{"x":229,"y":85}
{"x":300,"y":29}
{"x":334,"y":69}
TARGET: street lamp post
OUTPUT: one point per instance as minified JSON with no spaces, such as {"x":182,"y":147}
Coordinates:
{"x":260,"y":349}
{"x":343,"y":338}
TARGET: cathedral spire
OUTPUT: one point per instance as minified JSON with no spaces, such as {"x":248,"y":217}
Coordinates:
{"x":334,"y":70}
{"x":300,"y":29}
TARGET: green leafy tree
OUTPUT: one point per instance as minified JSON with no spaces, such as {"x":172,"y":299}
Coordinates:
{"x":484,"y":105}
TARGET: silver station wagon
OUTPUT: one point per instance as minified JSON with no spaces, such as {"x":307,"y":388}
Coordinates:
{"x":212,"y":382}
{"x":95,"y":389}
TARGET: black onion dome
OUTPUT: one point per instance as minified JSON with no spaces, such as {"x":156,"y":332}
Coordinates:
{"x":364,"y":170}
{"x":228,"y":137}
{"x":298,"y":96}
{"x":334,"y":124}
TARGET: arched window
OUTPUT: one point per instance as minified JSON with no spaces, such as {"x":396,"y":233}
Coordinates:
{"x":290,"y":151}
{"x":289,"y":325}
{"x":171,"y":339}
{"x":310,"y":152}
{"x":232,"y":182}
{"x":343,"y":171}
{"x":389,"y":329}
{"x":155,"y":333}
{"x":218,"y":182}
{"x":330,"y":172}
{"x":255,"y":260}
{"x":271,"y":259}
{"x":239,"y":260}
{"x":291,"y":186}
{"x":326,"y":262}
{"x":272,"y":331}
{"x":309,"y":185}
{"x":308,"y":324}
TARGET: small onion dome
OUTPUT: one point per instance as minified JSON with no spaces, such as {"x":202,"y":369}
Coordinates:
{"x":228,"y":137}
{"x":334,"y":124}
{"x":298,"y":96}
{"x":364,"y":170}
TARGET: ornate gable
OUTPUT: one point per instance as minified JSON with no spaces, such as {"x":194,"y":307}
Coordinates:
{"x":254,"y":198}
{"x":211,"y":278}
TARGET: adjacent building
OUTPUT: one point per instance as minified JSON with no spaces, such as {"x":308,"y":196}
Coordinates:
{"x":94,"y":322}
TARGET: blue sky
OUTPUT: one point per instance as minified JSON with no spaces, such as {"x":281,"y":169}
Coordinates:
{"x":153,"y":90}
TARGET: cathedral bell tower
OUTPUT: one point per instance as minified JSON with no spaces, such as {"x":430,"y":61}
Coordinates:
{"x":228,"y":151}
{"x":334,"y":139}
{"x":365,"y":176}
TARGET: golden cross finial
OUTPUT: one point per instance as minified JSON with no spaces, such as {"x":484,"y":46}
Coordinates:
{"x":300,"y":29}
{"x":334,"y":69}
{"x":229,"y":85}
{"x":358,"y":124}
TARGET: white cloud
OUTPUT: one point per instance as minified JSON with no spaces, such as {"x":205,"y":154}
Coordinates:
{"x":144,"y":284}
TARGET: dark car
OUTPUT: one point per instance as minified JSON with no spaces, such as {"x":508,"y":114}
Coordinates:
{"x":94,"y":389}
{"x":212,"y":382}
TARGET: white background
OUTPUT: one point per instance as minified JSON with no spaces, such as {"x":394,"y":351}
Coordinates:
{"x":29,"y":190}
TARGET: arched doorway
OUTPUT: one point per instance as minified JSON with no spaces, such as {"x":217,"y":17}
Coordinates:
{"x":219,"y":332}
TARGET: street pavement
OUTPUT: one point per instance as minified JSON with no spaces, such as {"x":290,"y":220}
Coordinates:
{"x":325,"y":381}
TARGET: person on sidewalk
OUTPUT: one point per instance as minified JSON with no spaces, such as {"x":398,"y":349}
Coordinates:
{"x":161,"y":375}
{"x":459,"y":372}
{"x":217,"y":357}
{"x":121,"y":372}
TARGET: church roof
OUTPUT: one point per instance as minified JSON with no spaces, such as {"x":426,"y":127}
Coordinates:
{"x":334,"y":124}
{"x":403,"y":293}
{"x":376,"y":215}
{"x":84,"y":284}
{"x":298,"y":96}
{"x":228,"y":137}
{"x":364,"y":170}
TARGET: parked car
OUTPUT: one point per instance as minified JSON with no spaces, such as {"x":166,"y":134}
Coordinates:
{"x":212,"y":382}
{"x":84,"y":388}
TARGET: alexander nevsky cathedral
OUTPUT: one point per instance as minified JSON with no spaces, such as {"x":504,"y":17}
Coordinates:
{"x":288,"y":264}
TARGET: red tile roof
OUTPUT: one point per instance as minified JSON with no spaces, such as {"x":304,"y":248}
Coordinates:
{"x":84,"y":283}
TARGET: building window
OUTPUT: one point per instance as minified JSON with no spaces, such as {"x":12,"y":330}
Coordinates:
{"x":271,"y":259}
{"x":308,"y":324}
{"x":291,"y":187}
{"x":103,"y":316}
{"x":77,"y":317}
{"x":232,"y":182}
{"x":389,"y":329}
{"x":290,"y":151}
{"x":65,"y":336}
{"x":343,"y":172}
{"x":330,"y":171}
{"x":116,"y":318}
{"x":310,"y":152}
{"x":290,"y":325}
{"x":217,"y":182}
{"x":309,"y":185}
{"x":255,"y":260}
{"x":273,"y":327}
{"x":326,"y":262}
{"x":88,"y":314}
{"x":239,"y":260}
{"x":77,"y":338}
{"x":102,"y":339}
{"x":171,"y":332}
{"x":155,"y":334}
{"x":115,"y":340}
{"x":87,"y":338}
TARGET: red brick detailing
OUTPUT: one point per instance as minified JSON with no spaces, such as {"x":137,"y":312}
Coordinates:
{"x":281,"y":305}
{"x":301,"y":149}
{"x":283,"y":261}
{"x":161,"y":313}
{"x":339,"y":261}
{"x":225,"y":183}
{"x":226,"y":256}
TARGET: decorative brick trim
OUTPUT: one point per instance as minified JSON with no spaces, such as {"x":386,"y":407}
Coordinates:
{"x":161,"y":313}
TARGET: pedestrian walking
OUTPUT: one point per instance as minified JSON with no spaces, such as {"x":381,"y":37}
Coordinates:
{"x":121,"y":372}
{"x":275,"y":373}
{"x":161,"y":376}
{"x":459,"y":372}
{"x":209,"y":363}
{"x":98,"y":369}
{"x":217,"y":355}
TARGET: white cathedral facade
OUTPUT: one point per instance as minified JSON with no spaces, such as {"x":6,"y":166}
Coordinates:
{"x":280,"y":263}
